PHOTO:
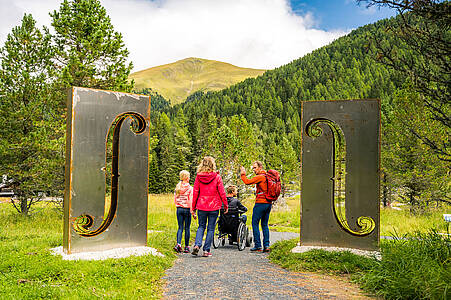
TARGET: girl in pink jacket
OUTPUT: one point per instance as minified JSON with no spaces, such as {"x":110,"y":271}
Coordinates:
{"x":183,"y":199}
{"x":208,"y":197}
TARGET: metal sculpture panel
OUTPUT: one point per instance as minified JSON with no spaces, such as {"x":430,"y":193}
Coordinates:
{"x":107,"y":147}
{"x":340,"y":173}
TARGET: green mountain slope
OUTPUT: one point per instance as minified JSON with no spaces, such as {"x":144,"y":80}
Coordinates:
{"x":267,"y":107}
{"x":178,"y":80}
{"x":259,"y":118}
{"x":344,"y":69}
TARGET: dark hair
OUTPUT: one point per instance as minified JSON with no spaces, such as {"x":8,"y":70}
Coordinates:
{"x":231,"y":189}
{"x":259,"y":163}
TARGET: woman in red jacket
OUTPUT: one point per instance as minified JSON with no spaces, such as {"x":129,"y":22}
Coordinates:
{"x":208,"y":197}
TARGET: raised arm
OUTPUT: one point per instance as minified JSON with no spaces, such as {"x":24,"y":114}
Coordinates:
{"x":256,"y":179}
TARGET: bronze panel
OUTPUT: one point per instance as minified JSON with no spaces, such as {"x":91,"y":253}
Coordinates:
{"x":340,"y":173}
{"x":106,"y":210}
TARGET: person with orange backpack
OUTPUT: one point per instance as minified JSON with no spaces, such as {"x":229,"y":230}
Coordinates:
{"x":268,"y":190}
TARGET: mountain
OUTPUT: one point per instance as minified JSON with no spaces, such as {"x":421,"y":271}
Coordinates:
{"x":178,"y":80}
{"x":344,"y":69}
{"x":263,"y":113}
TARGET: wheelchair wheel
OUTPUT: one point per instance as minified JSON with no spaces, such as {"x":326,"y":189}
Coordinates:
{"x":241,"y":235}
{"x":217,"y":238}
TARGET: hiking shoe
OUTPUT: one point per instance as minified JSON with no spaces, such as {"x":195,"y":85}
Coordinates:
{"x":187,"y":250}
{"x":206,"y":254}
{"x":178,"y":248}
{"x":195,"y":250}
{"x":256,"y":249}
{"x":267,"y":249}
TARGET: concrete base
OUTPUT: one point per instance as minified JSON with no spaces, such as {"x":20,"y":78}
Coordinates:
{"x":372,"y":254}
{"x":102,"y":255}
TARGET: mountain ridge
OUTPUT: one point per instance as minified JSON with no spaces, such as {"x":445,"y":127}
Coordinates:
{"x":178,"y":80}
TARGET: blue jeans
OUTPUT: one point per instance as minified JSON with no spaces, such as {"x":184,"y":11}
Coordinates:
{"x":203,"y":217}
{"x":261,"y":213}
{"x":184,"y":220}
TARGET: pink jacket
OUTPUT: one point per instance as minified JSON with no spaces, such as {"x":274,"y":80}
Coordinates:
{"x":209,"y":194}
{"x":185,"y":198}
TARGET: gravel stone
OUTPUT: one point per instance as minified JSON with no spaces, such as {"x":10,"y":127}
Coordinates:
{"x":233,"y":274}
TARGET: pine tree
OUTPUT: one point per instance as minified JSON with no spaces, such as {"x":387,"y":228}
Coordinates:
{"x":418,"y":175}
{"x":31,"y":131}
{"x":90,"y":53}
{"x":422,"y":50}
{"x":154,"y":174}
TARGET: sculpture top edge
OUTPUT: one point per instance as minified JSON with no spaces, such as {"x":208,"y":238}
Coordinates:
{"x":79,"y":88}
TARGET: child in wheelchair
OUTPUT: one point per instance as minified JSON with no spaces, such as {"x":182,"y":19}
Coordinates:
{"x":230,"y":223}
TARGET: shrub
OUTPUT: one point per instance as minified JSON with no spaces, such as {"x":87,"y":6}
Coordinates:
{"x":412,"y":267}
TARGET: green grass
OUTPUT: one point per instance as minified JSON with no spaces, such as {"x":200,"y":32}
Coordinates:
{"x":392,"y":221}
{"x":402,"y":221}
{"x":418,"y":268}
{"x":29,"y":271}
{"x":336,"y":263}
{"x":415,"y":267}
{"x":284,"y":219}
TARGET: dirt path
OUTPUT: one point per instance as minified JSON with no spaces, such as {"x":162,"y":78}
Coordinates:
{"x":233,"y":274}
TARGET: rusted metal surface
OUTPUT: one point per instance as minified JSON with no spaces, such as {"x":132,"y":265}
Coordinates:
{"x":105,"y":203}
{"x":340,"y":157}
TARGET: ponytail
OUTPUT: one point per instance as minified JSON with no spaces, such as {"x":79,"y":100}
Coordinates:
{"x":178,"y":187}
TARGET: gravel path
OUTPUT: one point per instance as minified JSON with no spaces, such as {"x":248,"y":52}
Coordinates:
{"x":233,"y":274}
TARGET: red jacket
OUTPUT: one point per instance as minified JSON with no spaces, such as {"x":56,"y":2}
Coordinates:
{"x":209,"y":194}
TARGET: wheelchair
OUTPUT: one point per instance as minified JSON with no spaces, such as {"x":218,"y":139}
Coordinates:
{"x":233,"y":227}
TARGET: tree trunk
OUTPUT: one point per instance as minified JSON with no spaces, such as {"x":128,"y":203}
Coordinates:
{"x":23,"y":206}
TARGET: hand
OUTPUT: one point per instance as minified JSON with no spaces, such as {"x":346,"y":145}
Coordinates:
{"x":226,"y":210}
{"x":242,"y":170}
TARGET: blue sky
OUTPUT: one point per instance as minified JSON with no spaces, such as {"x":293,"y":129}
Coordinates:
{"x":261,"y":34}
{"x":340,"y":14}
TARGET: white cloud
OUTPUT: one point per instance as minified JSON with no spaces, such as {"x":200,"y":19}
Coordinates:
{"x":12,"y":11}
{"x":248,"y":33}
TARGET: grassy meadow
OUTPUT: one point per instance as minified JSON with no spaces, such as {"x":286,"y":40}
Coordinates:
{"x":394,"y":221}
{"x":28,"y":270}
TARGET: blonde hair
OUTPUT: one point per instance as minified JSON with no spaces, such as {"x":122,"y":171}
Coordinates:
{"x":183,"y":176}
{"x":231,"y":189}
{"x":207,"y":165}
